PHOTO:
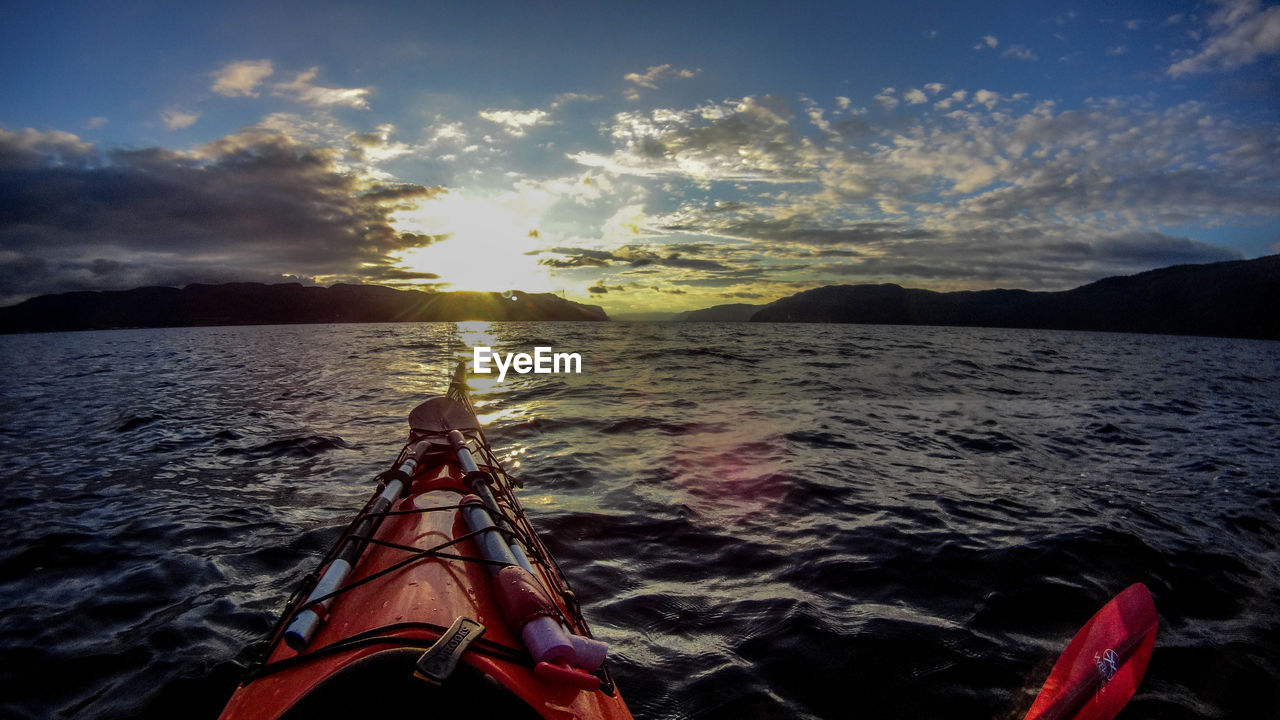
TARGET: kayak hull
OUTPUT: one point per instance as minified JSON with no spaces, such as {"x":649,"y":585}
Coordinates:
{"x":417,"y":574}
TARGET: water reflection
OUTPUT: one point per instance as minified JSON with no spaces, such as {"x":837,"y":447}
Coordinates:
{"x":468,"y":336}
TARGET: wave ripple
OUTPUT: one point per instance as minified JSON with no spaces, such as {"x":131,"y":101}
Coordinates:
{"x":763,"y":520}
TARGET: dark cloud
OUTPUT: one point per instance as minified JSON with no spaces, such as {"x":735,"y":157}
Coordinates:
{"x":393,"y":274}
{"x":675,"y":260}
{"x":742,"y":276}
{"x":639,"y":256}
{"x":573,"y":262}
{"x":1045,"y":256}
{"x":635,"y":256}
{"x":1044,"y":262}
{"x":399,"y":195}
{"x":593,"y":254}
{"x":808,"y":230}
{"x":25,"y":276}
{"x":1157,"y":249}
{"x":369,"y":139}
{"x":601,"y":288}
{"x":248,"y":206}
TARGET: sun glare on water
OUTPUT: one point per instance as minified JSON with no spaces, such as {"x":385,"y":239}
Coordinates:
{"x":486,"y":247}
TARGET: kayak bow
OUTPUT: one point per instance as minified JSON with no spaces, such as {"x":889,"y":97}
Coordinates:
{"x":439,"y":597}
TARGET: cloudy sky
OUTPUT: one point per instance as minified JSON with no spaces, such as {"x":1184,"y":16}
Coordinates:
{"x":656,"y":156}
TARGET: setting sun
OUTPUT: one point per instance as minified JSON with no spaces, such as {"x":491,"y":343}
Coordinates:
{"x":486,"y":244}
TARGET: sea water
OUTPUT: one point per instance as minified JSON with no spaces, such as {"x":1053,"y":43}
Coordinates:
{"x":764,"y":521}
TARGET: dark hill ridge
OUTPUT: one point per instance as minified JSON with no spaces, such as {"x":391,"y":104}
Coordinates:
{"x":1229,"y":299}
{"x":258,"y":304}
{"x":734,"y":312}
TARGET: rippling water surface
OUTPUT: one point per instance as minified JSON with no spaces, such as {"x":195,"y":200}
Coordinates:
{"x":763,"y":520}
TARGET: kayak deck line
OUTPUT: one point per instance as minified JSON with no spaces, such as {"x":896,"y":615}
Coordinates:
{"x":417,"y":635}
{"x":442,"y":560}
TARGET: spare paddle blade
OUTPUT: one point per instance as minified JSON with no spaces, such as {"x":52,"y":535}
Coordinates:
{"x":439,"y":415}
{"x":1102,"y":666}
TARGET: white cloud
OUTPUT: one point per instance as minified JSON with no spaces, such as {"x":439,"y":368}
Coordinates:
{"x":1019,"y":52}
{"x":970,"y":200}
{"x":25,"y":146}
{"x":992,"y":169}
{"x":886,"y":99}
{"x":816,"y":116}
{"x":94,"y":123}
{"x":565,"y":98}
{"x":302,"y":89}
{"x":517,"y":122}
{"x":241,"y":79}
{"x":977,"y":186}
{"x":449,"y":132}
{"x":318,"y":128}
{"x":988,"y":41}
{"x":649,"y":79}
{"x":987,"y":98}
{"x":1240,"y":33}
{"x":748,"y":140}
{"x":176,"y":119}
{"x":625,"y":226}
{"x":377,"y":146}
{"x":956,"y":97}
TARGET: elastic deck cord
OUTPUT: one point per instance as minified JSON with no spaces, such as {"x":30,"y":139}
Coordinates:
{"x":516,"y":527}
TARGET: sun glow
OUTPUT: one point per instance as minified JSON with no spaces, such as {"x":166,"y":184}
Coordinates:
{"x":487,"y":244}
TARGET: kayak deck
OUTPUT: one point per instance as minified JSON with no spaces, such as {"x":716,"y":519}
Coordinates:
{"x":416,"y":574}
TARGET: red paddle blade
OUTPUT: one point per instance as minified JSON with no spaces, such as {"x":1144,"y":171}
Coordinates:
{"x":1102,"y":666}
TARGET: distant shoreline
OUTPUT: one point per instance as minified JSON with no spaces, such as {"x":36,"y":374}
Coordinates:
{"x":236,"y":304}
{"x":1238,"y":298}
{"x":1227,"y":299}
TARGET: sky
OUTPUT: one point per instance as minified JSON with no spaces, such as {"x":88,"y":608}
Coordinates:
{"x":638,"y":156}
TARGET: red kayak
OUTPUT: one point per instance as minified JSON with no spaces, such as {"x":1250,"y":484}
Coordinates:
{"x":439,"y":599}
